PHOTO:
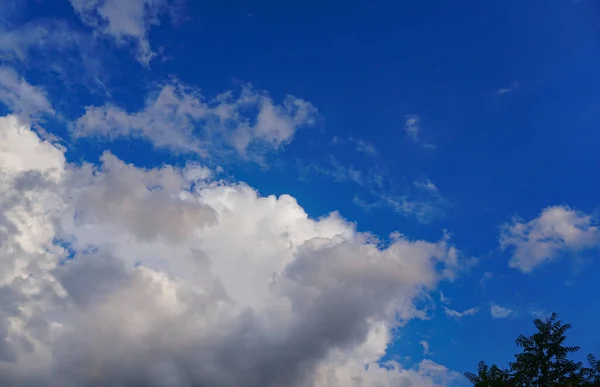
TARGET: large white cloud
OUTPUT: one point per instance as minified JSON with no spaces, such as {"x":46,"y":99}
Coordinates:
{"x":116,"y":275}
{"x":557,"y":230}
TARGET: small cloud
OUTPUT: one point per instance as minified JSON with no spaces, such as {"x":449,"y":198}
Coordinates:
{"x":425,"y":184}
{"x":458,"y":315}
{"x":500,"y":312}
{"x":557,"y":230}
{"x":514,"y":86}
{"x":412,"y":127}
{"x":425,"y":346}
{"x":365,"y":147}
{"x":485,"y":278}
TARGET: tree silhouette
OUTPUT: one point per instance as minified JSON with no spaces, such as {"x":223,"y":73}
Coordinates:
{"x":543,"y":362}
{"x":488,"y":376}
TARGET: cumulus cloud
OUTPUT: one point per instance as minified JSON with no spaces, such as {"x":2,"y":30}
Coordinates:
{"x":112,"y":274}
{"x":126,"y":22}
{"x":498,"y":312}
{"x":458,"y":315}
{"x":557,"y":230}
{"x":180,"y":118}
{"x":21,"y":97}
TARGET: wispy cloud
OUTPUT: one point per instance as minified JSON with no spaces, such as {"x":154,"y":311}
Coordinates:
{"x":423,"y":202}
{"x":67,"y":53}
{"x":360,"y":145}
{"x":126,"y":22}
{"x":485,"y":277}
{"x":514,"y":86}
{"x":458,"y":315}
{"x":365,"y":147}
{"x":425,"y":346}
{"x":412,"y":127}
{"x":425,"y":184}
{"x":424,"y":209}
{"x":334,"y":169}
{"x":445,"y":300}
{"x":421,"y":199}
{"x":537,"y":312}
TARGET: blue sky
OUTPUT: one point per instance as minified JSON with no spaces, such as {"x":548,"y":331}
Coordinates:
{"x":475,"y":120}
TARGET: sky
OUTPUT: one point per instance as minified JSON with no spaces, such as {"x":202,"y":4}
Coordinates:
{"x":261,"y":193}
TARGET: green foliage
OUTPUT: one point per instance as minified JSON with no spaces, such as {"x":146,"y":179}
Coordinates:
{"x":543,"y":362}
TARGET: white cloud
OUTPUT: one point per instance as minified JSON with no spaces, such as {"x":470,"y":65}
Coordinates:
{"x":21,"y":97}
{"x":425,"y":346}
{"x":498,"y":312}
{"x":558,"y":230}
{"x":458,"y":315}
{"x":412,"y":127}
{"x":124,"y":21}
{"x":179,"y":118}
{"x":113,"y":274}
